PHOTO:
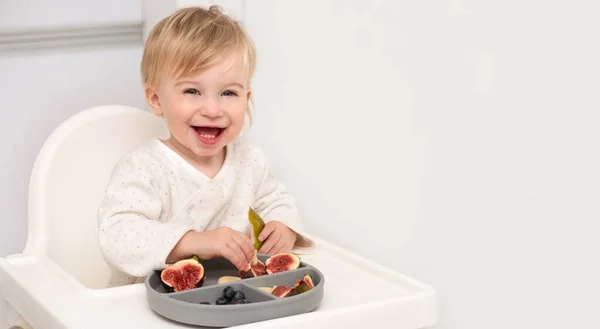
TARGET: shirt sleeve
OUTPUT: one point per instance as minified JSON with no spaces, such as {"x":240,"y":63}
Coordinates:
{"x":132,"y":235}
{"x":274,"y":202}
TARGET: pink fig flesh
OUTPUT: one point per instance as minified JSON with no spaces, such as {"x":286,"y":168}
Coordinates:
{"x":183,"y":275}
{"x":303,"y":285}
{"x":257,"y":268}
{"x":282,"y":291}
{"x":282,"y":262}
{"x":308,"y":280}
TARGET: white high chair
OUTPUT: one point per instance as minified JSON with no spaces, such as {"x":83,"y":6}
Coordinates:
{"x":57,"y":281}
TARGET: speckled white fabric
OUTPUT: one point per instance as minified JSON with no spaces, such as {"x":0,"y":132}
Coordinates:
{"x":154,"y":197}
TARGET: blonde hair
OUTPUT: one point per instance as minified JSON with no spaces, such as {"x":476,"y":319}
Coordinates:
{"x":191,"y":40}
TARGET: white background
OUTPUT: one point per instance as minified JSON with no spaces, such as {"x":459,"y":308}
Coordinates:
{"x":42,"y":88}
{"x":454,"y":141}
{"x":27,"y":14}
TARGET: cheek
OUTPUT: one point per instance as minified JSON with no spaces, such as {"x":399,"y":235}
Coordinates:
{"x":178,"y":111}
{"x":237,"y":108}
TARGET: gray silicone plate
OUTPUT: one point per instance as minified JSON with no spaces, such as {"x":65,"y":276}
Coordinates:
{"x":185,"y":307}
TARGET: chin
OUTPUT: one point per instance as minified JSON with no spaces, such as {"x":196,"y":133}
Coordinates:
{"x":212,"y":152}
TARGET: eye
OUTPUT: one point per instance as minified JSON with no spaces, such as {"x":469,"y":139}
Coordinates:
{"x":229,"y":93}
{"x":191,"y":91}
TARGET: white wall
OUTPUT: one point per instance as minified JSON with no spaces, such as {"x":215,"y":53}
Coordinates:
{"x":28,"y":14}
{"x":41,"y":88}
{"x":462,"y":149}
{"x":39,"y":92}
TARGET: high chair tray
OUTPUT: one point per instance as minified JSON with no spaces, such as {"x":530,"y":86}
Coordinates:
{"x":359,"y":293}
{"x":216,"y":304}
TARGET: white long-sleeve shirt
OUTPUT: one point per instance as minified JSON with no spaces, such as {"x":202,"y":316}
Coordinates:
{"x":154,"y":197}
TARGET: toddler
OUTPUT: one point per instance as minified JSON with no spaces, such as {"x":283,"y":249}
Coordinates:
{"x":190,"y":194}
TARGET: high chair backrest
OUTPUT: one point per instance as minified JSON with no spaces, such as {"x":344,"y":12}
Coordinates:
{"x":68,"y":182}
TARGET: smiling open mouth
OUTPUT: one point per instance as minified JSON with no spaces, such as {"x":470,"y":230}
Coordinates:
{"x":208,"y":135}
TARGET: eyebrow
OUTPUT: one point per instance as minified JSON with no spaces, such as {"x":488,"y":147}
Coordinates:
{"x":237,"y":84}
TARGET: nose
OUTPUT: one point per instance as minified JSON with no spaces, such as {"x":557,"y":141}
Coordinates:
{"x":211,"y":108}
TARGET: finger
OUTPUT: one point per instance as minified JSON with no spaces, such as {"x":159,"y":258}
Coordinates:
{"x":232,"y":257}
{"x":267,"y":230}
{"x":278,"y":246}
{"x":236,"y":256}
{"x":270,"y":243}
{"x":245,"y":245}
{"x":288,"y":247}
{"x":242,"y":246}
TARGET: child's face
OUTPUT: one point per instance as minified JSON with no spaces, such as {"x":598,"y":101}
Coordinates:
{"x":204,"y":113}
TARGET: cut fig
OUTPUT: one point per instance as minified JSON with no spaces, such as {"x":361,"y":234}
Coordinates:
{"x":304,"y":285}
{"x":183,"y":275}
{"x":282,"y":262}
{"x":308,"y":280}
{"x":257,"y":268}
{"x":257,"y":224}
{"x":227,"y":279}
{"x":283,"y":291}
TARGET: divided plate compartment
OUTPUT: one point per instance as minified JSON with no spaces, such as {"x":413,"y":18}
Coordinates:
{"x":185,"y":307}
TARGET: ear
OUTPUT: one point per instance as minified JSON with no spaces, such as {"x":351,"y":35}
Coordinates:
{"x":249,"y":96}
{"x":248,"y":101}
{"x":154,"y":101}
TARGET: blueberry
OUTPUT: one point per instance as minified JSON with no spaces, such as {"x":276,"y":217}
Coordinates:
{"x":221,"y":301}
{"x":205,"y":303}
{"x":238,"y":295}
{"x":239,"y":301}
{"x":228,"y":293}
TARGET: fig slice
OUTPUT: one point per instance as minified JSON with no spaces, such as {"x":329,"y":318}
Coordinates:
{"x":257,"y":224}
{"x":303,"y":285}
{"x":256,"y":268}
{"x":283,"y":291}
{"x":227,"y":279}
{"x":308,"y":280}
{"x":282,"y":262}
{"x":183,"y":275}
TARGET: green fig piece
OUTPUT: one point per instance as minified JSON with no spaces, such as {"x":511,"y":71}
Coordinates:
{"x":257,"y":226}
{"x":303,"y":285}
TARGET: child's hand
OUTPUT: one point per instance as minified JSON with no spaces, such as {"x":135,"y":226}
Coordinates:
{"x":224,"y":241}
{"x":276,"y":237}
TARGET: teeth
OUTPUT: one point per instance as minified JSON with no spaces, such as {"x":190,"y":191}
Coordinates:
{"x":207,"y":135}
